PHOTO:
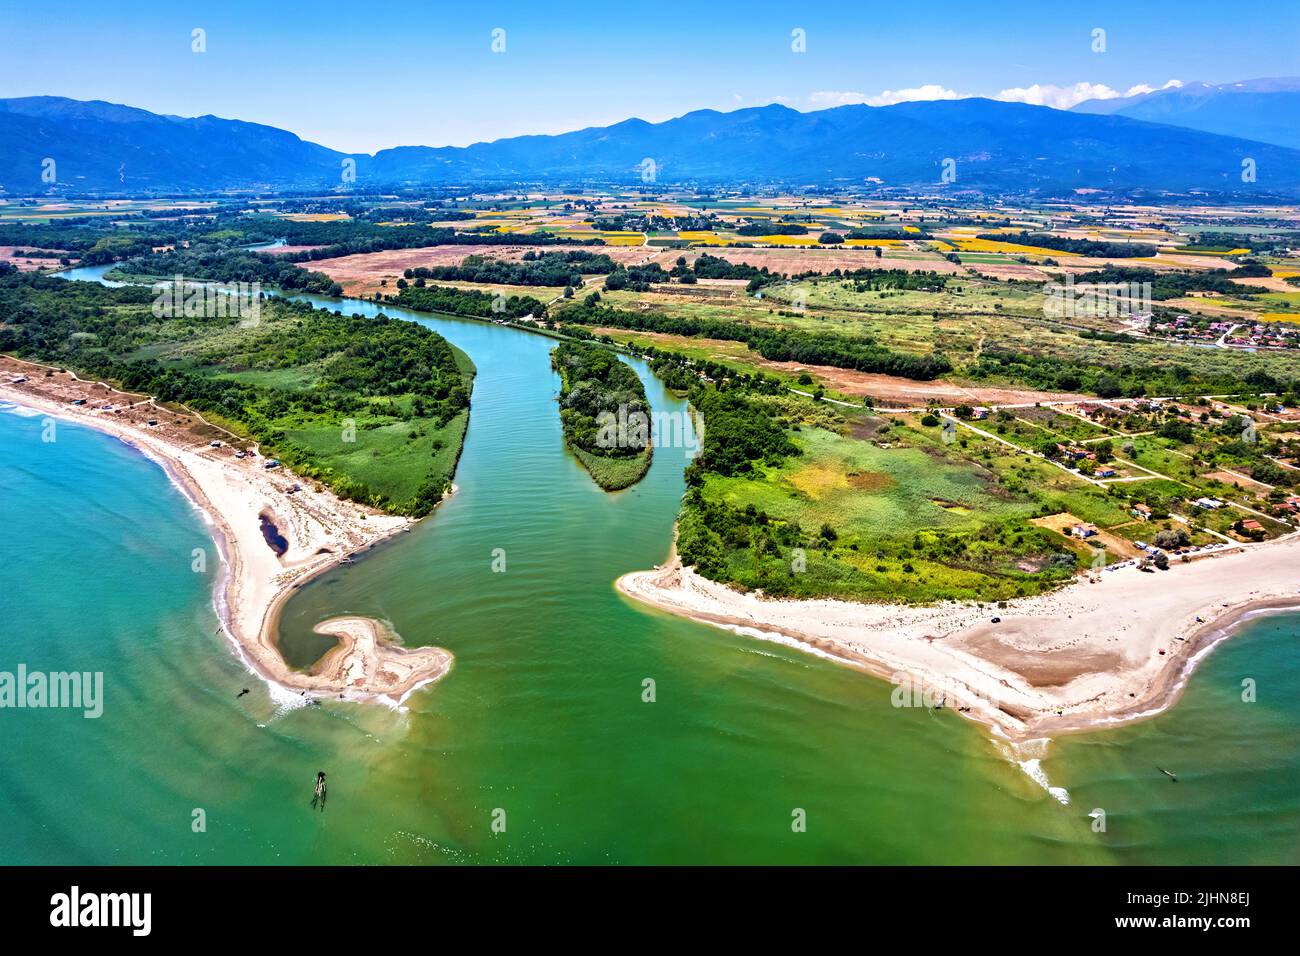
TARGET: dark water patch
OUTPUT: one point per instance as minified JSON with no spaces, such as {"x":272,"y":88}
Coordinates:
{"x":271,"y":535}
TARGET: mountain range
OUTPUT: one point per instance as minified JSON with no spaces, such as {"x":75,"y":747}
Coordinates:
{"x":989,"y":145}
{"x":1267,"y":110}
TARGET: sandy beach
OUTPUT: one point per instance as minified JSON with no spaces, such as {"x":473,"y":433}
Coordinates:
{"x":1111,"y":648}
{"x":237,"y":495}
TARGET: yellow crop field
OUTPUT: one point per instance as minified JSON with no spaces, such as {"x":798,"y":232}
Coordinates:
{"x":867,"y":243}
{"x":992,"y":245}
{"x":702,"y":237}
{"x":315,"y":217}
{"x":1291,"y":317}
{"x":1183,"y":250}
{"x":788,"y":240}
{"x":611,"y":238}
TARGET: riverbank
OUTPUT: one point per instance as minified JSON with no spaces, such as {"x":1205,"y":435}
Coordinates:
{"x":238,"y":495}
{"x":1109,"y":649}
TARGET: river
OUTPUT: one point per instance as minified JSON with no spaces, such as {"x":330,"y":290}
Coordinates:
{"x":543,"y":727}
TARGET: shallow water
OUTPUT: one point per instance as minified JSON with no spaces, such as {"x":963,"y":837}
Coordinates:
{"x":541,"y":723}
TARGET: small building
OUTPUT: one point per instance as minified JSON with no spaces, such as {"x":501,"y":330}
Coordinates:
{"x":1208,"y":504}
{"x":1142,"y":511}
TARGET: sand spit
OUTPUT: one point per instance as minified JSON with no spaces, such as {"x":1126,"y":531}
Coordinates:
{"x":1105,"y":650}
{"x":237,"y":495}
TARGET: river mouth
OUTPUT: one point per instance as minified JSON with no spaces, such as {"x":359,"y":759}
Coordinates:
{"x":545,"y":713}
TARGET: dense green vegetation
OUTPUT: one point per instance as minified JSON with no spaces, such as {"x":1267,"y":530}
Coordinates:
{"x":605,"y":414}
{"x":374,"y":408}
{"x":1174,"y":285}
{"x":715,"y":267}
{"x":766,"y":228}
{"x":223,"y":264}
{"x":86,"y":240}
{"x":778,"y":344}
{"x":881,"y":232}
{"x":636,"y":278}
{"x":1092,"y":248}
{"x":471,"y":302}
{"x":545,"y":269}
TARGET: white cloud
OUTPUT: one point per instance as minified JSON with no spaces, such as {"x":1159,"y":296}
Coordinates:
{"x":1058,"y":97}
{"x":1040,"y":94}
{"x":1063,"y":97}
{"x":930,"y":91}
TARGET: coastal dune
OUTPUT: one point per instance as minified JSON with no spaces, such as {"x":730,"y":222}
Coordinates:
{"x":1110,"y":648}
{"x":237,"y":497}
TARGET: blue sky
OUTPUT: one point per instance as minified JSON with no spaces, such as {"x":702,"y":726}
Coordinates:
{"x":362,"y":76}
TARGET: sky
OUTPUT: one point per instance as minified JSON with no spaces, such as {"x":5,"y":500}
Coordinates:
{"x":363,"y":76}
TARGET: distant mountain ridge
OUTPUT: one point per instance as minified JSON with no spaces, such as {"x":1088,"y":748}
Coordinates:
{"x":1266,"y":110}
{"x":993,"y":146}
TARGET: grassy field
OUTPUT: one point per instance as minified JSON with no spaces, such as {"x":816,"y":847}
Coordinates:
{"x":897,"y":514}
{"x":901,"y":508}
{"x":375,"y":409}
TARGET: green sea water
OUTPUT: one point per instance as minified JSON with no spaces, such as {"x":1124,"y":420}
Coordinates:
{"x":541,"y":725}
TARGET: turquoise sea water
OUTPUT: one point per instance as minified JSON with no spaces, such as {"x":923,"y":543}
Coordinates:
{"x":541,"y":722}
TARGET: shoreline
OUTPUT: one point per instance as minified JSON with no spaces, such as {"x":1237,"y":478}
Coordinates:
{"x":1101,"y":652}
{"x":253,"y":583}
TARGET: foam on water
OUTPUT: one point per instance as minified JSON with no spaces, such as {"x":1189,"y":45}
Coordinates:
{"x":22,"y":411}
{"x":286,"y":701}
{"x":1028,"y":756}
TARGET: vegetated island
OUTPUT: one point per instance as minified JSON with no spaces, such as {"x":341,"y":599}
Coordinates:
{"x":305,"y":437}
{"x":605,"y":414}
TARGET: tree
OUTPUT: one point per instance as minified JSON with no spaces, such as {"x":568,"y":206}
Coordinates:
{"x":1176,"y":430}
{"x":830,"y":239}
{"x":1107,"y":386}
{"x":1170,"y":539}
